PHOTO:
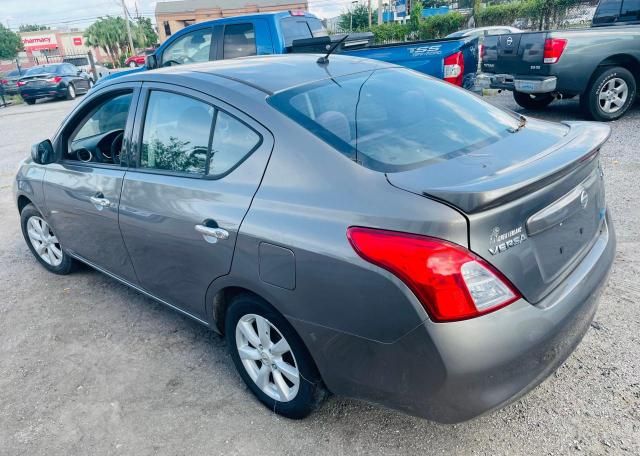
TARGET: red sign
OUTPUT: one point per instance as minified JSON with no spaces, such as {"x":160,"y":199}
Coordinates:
{"x":77,"y":41}
{"x":35,"y":43}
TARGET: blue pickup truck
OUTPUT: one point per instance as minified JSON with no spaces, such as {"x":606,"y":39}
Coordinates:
{"x":452,"y":59}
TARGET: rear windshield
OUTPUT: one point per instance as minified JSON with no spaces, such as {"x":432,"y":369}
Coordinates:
{"x":43,"y":70}
{"x":300,"y":27}
{"x":610,"y":11}
{"x":395,"y":119}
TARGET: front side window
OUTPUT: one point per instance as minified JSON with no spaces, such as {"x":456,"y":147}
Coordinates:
{"x":239,"y":41}
{"x":98,"y":137}
{"x":176,"y":133}
{"x":630,"y":10}
{"x":193,"y":47}
{"x":394,"y":119}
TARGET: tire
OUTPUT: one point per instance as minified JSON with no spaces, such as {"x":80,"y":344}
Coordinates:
{"x":30,"y":101}
{"x":308,"y":393}
{"x":533,"y":101}
{"x":57,"y":261}
{"x":610,"y":94}
{"x":71,"y":92}
{"x":132,"y":64}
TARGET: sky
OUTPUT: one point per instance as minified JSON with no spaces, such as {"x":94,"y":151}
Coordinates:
{"x":81,"y":13}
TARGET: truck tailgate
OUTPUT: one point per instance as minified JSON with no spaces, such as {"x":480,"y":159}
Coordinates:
{"x":516,"y":53}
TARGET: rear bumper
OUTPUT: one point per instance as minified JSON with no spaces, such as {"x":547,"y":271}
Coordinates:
{"x":43,"y":92}
{"x":452,"y":372}
{"x":524,"y":84}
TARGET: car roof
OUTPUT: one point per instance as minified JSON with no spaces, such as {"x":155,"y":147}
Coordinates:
{"x":269,"y":74}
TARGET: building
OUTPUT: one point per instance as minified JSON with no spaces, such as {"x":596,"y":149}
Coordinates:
{"x":45,"y":45}
{"x":175,"y":15}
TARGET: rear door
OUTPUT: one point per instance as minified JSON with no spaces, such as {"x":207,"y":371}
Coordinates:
{"x":82,"y":189}
{"x":198,"y":164}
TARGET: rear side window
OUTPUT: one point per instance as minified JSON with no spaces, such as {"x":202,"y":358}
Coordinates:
{"x":395,"y":119}
{"x":176,"y":133}
{"x":185,"y":135}
{"x":608,"y":11}
{"x":239,"y":41}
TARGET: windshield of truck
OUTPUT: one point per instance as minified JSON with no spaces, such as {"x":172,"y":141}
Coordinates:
{"x":395,"y":119}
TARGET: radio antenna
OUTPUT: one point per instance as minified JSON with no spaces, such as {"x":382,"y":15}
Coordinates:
{"x":325,"y":58}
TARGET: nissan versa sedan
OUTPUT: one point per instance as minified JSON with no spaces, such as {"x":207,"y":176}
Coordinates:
{"x":350,"y":226}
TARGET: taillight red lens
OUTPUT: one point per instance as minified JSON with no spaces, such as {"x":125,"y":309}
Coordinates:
{"x":20,"y":83}
{"x":553,"y":49}
{"x":454,"y":68}
{"x":450,"y":281}
{"x":4,"y":82}
{"x":55,"y":79}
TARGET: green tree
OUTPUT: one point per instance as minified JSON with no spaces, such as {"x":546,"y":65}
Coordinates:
{"x":10,"y":43}
{"x":144,"y":34}
{"x":32,"y":28}
{"x":360,"y":15}
{"x":110,"y":34}
{"x":416,"y":14}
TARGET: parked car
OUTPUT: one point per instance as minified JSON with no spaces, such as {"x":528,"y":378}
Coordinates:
{"x":138,"y":59}
{"x":57,"y":80}
{"x":82,"y":63}
{"x":9,"y":81}
{"x":284,"y":32}
{"x":600,"y":64}
{"x":481,"y":32}
{"x":423,"y":249}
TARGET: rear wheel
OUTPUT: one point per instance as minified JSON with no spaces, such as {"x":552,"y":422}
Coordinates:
{"x":71,"y":92}
{"x":132,"y":64}
{"x":43,"y":242}
{"x":610,"y":94}
{"x":30,"y":101}
{"x":271,"y":358}
{"x":533,"y":101}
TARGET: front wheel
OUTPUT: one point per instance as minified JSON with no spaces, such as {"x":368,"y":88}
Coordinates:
{"x":271,"y":358}
{"x":30,"y":101}
{"x":610,"y":94}
{"x":132,"y":64}
{"x":43,"y":242}
{"x":533,"y":101}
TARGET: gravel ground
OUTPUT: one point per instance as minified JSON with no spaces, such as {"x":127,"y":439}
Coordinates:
{"x":88,"y":366}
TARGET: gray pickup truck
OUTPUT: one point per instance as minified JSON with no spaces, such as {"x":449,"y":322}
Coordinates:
{"x":600,"y":64}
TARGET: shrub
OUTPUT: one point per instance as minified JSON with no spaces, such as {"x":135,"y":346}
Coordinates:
{"x":441,"y":25}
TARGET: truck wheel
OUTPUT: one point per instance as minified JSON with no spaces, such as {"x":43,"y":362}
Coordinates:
{"x":610,"y":94}
{"x":533,"y":101}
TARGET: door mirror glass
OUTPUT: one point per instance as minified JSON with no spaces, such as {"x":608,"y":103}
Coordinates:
{"x":42,"y":153}
{"x":151,"y":61}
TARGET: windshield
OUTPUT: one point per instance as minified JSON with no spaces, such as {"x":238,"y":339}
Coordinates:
{"x":395,"y":119}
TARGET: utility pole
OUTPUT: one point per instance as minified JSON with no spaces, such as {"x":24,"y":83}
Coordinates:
{"x":126,"y":21}
{"x":379,"y":12}
{"x":369,"y":13}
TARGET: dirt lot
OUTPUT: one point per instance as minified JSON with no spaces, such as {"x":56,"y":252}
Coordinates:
{"x":88,"y":366}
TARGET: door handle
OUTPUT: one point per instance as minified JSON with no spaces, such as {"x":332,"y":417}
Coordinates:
{"x":100,"y":202}
{"x":212,"y":235}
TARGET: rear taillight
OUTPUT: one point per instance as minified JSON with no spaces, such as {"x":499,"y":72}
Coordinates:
{"x":450,"y":281}
{"x":454,"y":68}
{"x":55,"y":79}
{"x":481,"y":50}
{"x":20,"y":83}
{"x":553,"y":49}
{"x":4,"y":82}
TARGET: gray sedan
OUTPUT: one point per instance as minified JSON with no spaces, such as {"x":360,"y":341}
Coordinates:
{"x":349,"y":226}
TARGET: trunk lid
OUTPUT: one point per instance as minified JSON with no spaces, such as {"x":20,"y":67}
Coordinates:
{"x":534,"y":201}
{"x":515,"y":53}
{"x":37,"y":80}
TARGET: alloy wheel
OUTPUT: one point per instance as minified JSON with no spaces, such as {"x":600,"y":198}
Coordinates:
{"x":613,"y":95}
{"x":267,"y":357}
{"x":44,"y":241}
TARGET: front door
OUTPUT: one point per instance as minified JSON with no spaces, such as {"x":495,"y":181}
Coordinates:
{"x":82,"y":190}
{"x":199,"y":163}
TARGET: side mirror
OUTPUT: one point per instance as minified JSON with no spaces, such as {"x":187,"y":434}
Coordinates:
{"x":42,"y":153}
{"x":79,"y":72}
{"x":151,"y":61}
